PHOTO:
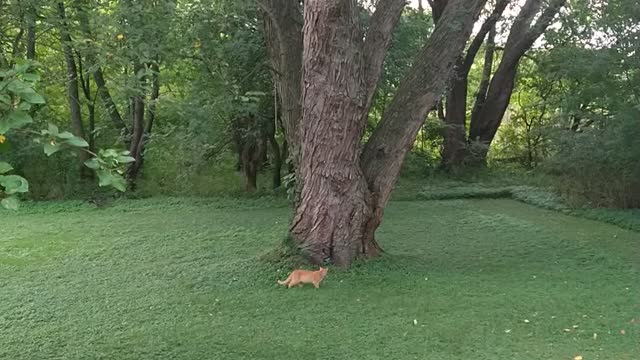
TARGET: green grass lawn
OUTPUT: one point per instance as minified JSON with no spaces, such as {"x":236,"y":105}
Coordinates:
{"x":182,"y":279}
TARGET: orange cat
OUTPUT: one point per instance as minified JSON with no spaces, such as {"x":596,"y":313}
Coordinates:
{"x":298,"y":277}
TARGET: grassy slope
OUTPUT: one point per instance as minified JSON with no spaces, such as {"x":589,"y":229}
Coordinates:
{"x":180,"y":280}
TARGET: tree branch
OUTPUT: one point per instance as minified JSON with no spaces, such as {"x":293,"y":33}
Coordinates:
{"x":520,"y":41}
{"x":377,"y":42}
{"x":385,"y":151}
{"x":488,"y":24}
{"x":437,"y":8}
{"x":543,"y":21}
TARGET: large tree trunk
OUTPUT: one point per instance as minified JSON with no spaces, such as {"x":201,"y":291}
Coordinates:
{"x":344,"y":190}
{"x":335,"y":202}
{"x":487,"y":119}
{"x":485,"y":125}
{"x":455,"y":133}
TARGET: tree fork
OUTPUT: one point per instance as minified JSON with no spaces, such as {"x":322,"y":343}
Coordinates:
{"x":344,"y":189}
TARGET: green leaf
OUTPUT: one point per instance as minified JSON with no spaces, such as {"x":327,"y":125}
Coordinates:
{"x":20,"y":118}
{"x":107,"y":178}
{"x":65,"y":135}
{"x":17,"y":86}
{"x":77,"y":142}
{"x":125,"y":159}
{"x":32,"y":97}
{"x":10,"y":203}
{"x":119,"y":183}
{"x":104,"y":178}
{"x":5,"y":167}
{"x":92,"y":164}
{"x":109,"y":153}
{"x":53,"y":130}
{"x":15,"y":120}
{"x":22,"y":65}
{"x":24,"y":106}
{"x":5,"y":146}
{"x":31,"y":77}
{"x":14,"y":184}
{"x":51,"y":148}
{"x":5,"y":99}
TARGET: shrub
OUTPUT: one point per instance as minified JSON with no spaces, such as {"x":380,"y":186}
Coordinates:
{"x":600,"y":165}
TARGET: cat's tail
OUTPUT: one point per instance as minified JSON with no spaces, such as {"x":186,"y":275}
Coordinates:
{"x":286,"y":281}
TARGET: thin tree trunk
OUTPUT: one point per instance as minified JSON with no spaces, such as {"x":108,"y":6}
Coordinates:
{"x":15,"y":47}
{"x":145,"y":130}
{"x":455,"y":135}
{"x":481,"y":95}
{"x":283,"y":35}
{"x":91,"y":105}
{"x":276,"y":163}
{"x":31,"y":32}
{"x":107,"y":101}
{"x":72,"y":84}
{"x":137,"y":118}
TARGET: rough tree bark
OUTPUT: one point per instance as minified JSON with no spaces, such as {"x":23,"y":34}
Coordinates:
{"x":455,"y":134}
{"x":344,"y":188}
{"x":485,"y":122}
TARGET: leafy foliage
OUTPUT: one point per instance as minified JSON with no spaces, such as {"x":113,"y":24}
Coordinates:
{"x":18,"y":89}
{"x":600,"y":165}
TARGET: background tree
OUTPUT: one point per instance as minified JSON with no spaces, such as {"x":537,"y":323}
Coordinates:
{"x":494,"y":93}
